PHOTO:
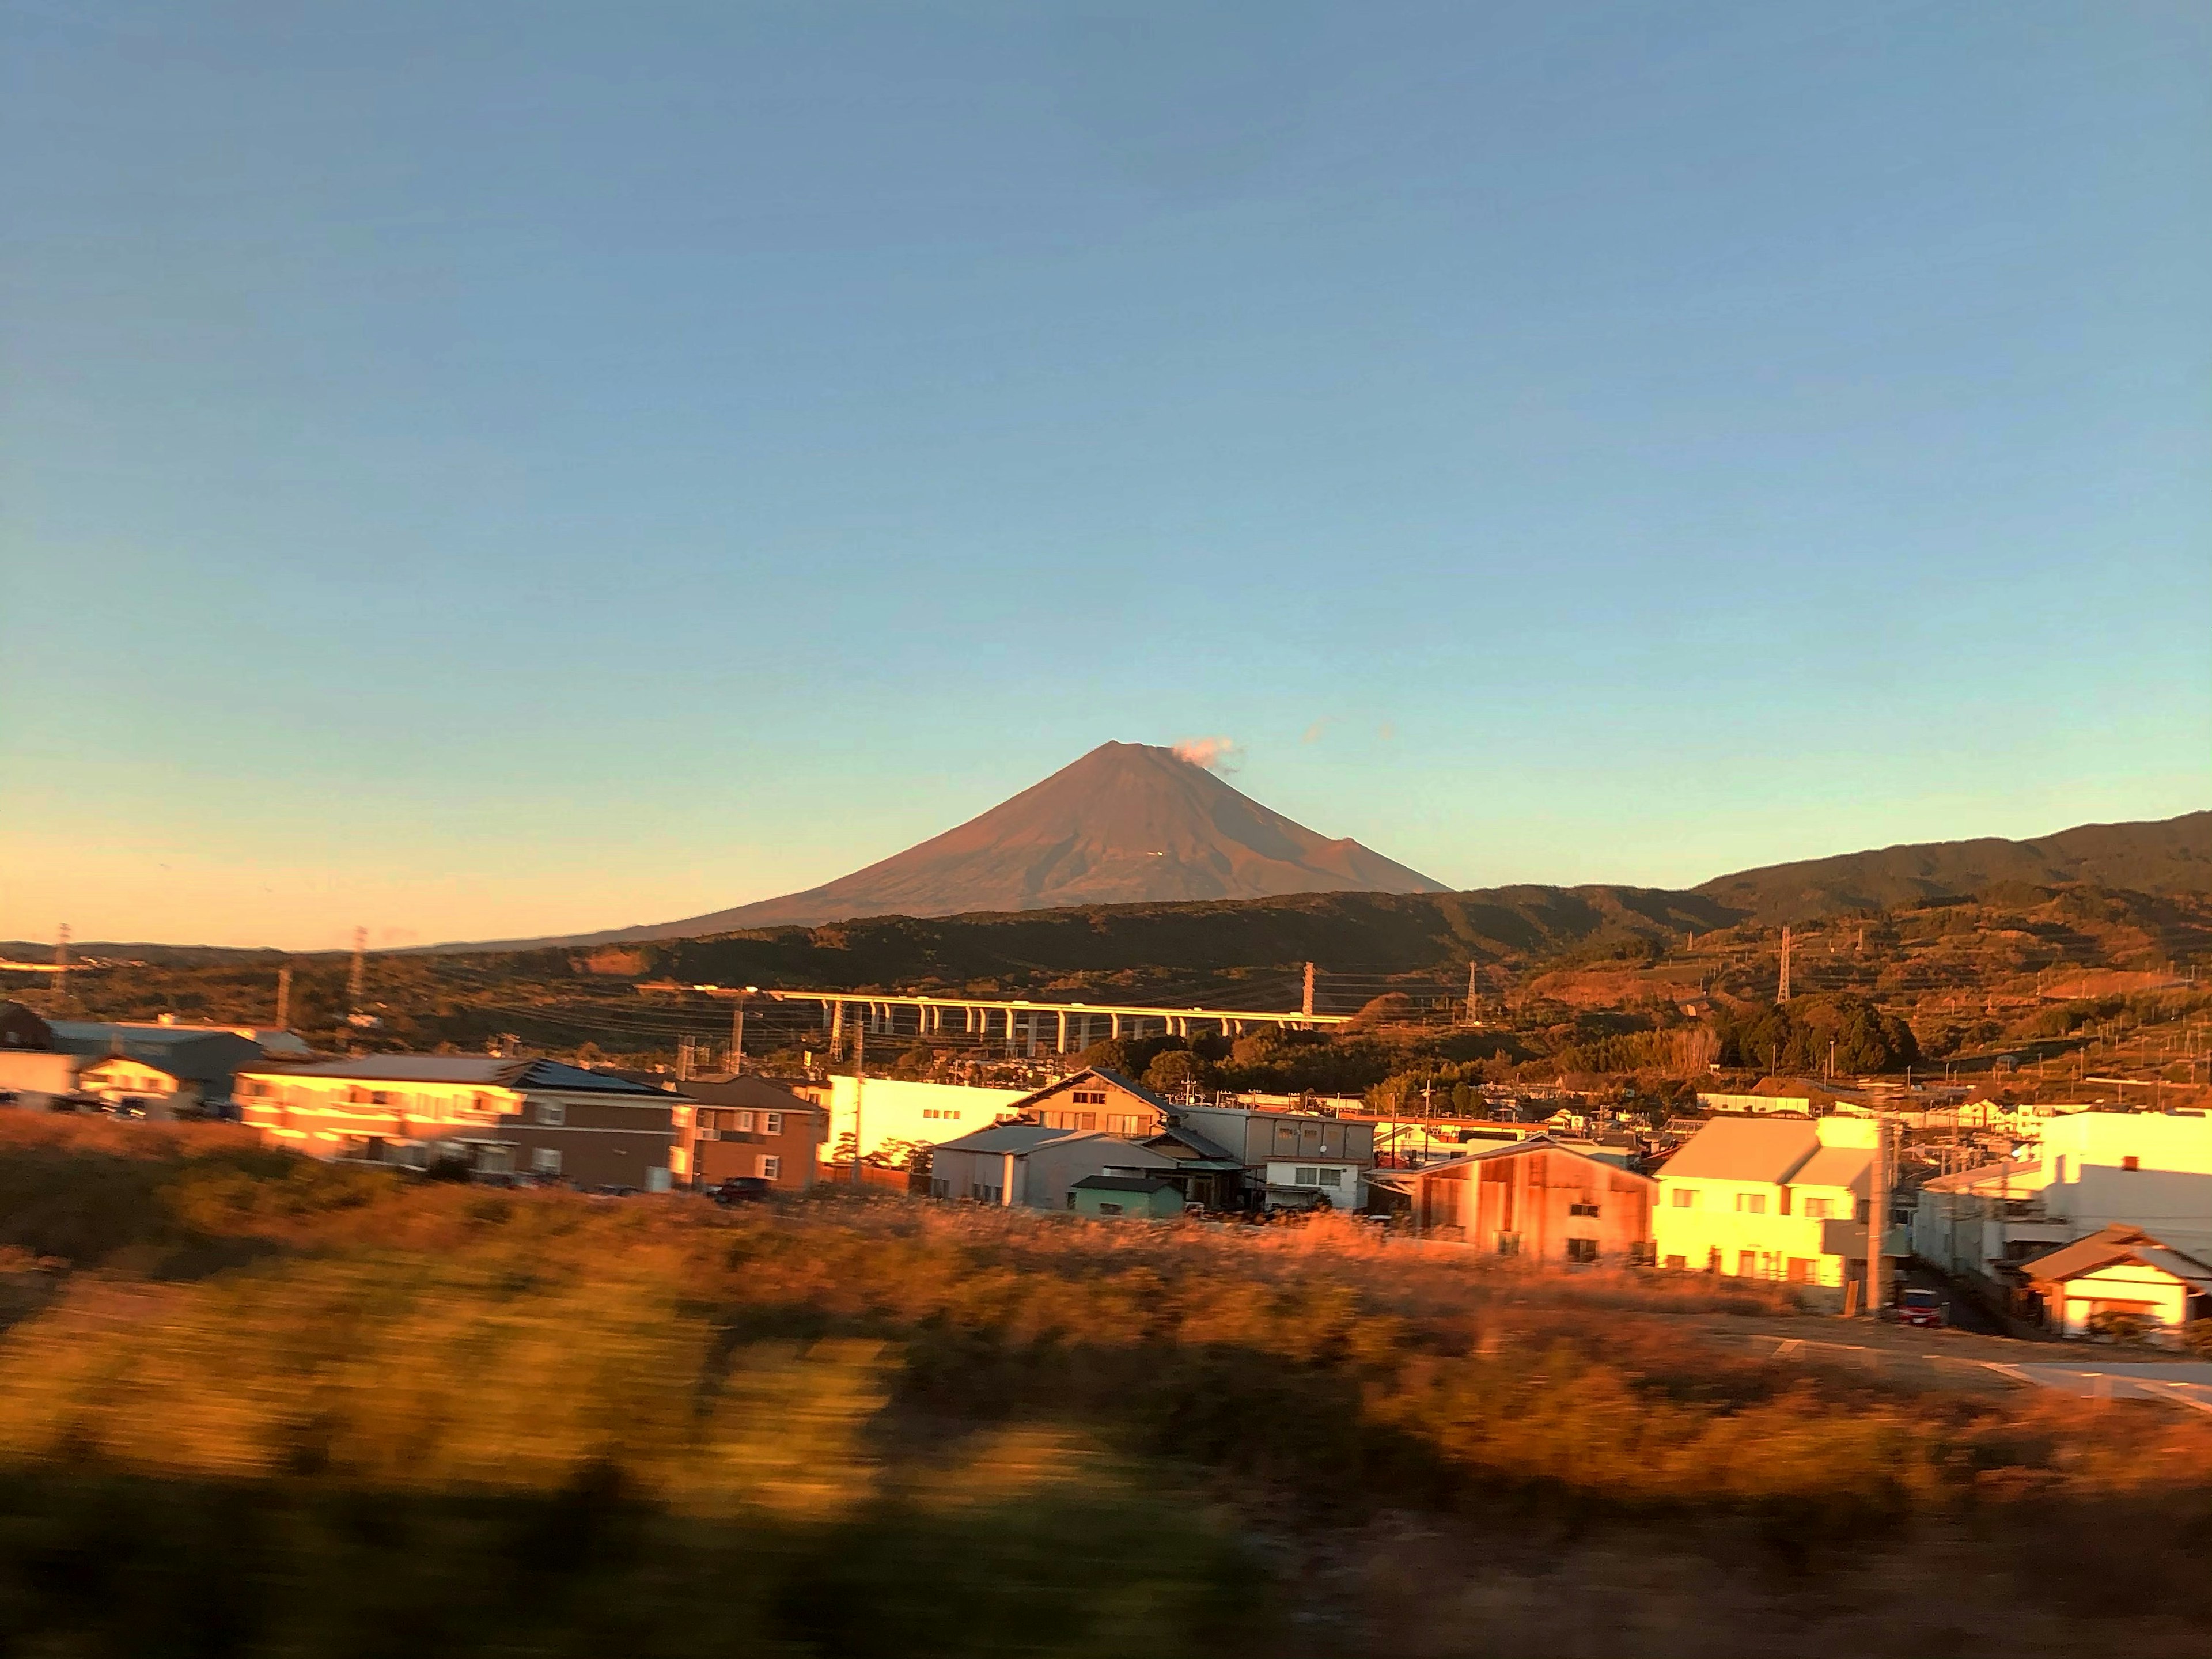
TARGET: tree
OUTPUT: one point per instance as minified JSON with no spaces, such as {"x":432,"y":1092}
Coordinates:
{"x":1175,"y":1071}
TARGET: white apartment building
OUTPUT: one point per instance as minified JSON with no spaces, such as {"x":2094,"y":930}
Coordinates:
{"x":2151,"y":1170}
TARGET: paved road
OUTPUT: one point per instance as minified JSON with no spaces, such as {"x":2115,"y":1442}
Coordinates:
{"x":2180,"y":1384}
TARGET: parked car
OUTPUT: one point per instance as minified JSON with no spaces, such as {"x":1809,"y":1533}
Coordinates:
{"x":614,"y":1191}
{"x":1923,"y":1308}
{"x":741,"y":1189}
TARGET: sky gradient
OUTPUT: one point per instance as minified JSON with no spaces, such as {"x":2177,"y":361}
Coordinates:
{"x":477,"y":471}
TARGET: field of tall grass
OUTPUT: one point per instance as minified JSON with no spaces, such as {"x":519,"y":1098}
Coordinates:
{"x":252,"y":1405}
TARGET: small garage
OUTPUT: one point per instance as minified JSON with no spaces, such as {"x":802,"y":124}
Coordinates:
{"x":1112,"y":1197}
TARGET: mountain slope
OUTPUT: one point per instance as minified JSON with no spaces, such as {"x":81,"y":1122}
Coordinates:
{"x":1128,"y":823}
{"x":2168,"y":855}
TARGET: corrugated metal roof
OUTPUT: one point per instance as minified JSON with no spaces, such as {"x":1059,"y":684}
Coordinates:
{"x":1104,"y":1183}
{"x":1006,"y":1138}
{"x":1754,"y":1149}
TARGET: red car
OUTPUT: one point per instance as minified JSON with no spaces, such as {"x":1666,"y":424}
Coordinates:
{"x":1922,"y":1307}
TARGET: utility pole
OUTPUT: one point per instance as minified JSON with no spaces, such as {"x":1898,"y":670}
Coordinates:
{"x":62,"y":968}
{"x":283,"y":998}
{"x":738,"y":1039}
{"x":1877,"y":1215}
{"x":1782,"y":993}
{"x":859,"y":1082}
{"x":360,"y":970}
{"x":1305,"y":1006}
{"x":1470,"y":993}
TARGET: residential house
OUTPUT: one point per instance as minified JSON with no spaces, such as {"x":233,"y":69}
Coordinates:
{"x":21,"y":1028}
{"x":1031,"y":1165}
{"x":1535,"y":1198}
{"x":2120,"y":1270}
{"x":536,"y":1117}
{"x":748,"y":1125}
{"x":1097,"y":1098}
{"x":165,"y":1068}
{"x":1202,"y":1173}
{"x":1771,"y":1197}
{"x":890,"y":1114}
{"x":1107,"y":1195}
{"x":1292,"y":1160}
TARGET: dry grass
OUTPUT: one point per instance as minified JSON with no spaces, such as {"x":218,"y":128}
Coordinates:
{"x":847,"y":1422}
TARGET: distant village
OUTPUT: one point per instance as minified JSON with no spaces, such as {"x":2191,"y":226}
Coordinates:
{"x":2074,"y":1220}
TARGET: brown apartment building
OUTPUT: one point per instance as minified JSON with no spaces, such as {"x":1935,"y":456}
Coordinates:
{"x":750,"y":1127}
{"x":527,"y":1117}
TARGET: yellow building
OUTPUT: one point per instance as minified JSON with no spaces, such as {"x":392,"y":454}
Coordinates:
{"x":1769,"y":1198}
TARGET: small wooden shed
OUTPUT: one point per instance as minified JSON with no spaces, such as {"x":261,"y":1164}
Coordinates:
{"x":1110,"y":1196}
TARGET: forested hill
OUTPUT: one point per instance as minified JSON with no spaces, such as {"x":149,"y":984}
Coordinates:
{"x":1357,"y":932}
{"x":2166,"y":855}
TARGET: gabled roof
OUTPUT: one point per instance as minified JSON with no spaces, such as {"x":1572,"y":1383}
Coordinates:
{"x":2116,"y":1243}
{"x":1851,"y":1167}
{"x":1101,"y":1072}
{"x":1204,"y":1153}
{"x":1105,"y":1183}
{"x":473,"y":1069}
{"x":1006,"y":1138}
{"x":1504,"y":1150}
{"x":1762,"y":1150}
{"x":744,"y":1089}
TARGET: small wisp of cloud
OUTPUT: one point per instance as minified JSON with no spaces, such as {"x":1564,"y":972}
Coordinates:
{"x":1318,"y":729}
{"x":1214,"y":754}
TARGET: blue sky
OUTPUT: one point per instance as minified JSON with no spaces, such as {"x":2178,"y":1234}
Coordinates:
{"x":503,"y":469}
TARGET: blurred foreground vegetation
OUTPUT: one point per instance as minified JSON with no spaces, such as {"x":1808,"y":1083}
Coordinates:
{"x":259,"y":1406}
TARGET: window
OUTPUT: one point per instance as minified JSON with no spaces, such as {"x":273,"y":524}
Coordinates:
{"x":1686,"y":1198}
{"x":1109,"y":1209}
{"x":1582,"y":1209}
{"x":1819,"y":1209}
{"x":545,"y":1160}
{"x":1508,"y":1244}
{"x":1332,"y":1177}
{"x":1089,"y":1096}
{"x":1751,"y":1203}
{"x":1678,"y":1261}
{"x":1582,"y":1249}
{"x":552,"y":1114}
{"x":1124,"y":1124}
{"x":772,"y":1123}
{"x":1286,"y":1137}
{"x":771,"y":1167}
{"x":1746,"y":1264}
{"x":1303,"y":1176}
{"x":744,"y":1123}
